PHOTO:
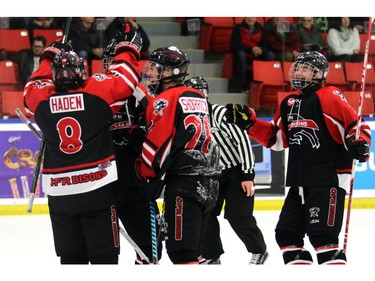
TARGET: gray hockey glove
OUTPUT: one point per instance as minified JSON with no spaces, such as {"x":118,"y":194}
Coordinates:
{"x":129,"y":40}
{"x":241,"y":115}
{"x":359,"y":149}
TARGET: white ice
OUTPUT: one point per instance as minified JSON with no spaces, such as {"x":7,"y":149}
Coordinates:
{"x":27,"y":251}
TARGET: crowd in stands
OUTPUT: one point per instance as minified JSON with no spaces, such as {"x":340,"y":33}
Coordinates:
{"x":283,"y":39}
{"x":251,"y":38}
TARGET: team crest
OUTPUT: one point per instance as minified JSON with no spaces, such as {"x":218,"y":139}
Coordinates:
{"x":99,"y":76}
{"x":338,"y":93}
{"x":159,"y":105}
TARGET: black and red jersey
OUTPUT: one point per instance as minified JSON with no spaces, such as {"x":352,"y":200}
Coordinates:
{"x":178,"y":120}
{"x":315,"y":127}
{"x":79,"y":154}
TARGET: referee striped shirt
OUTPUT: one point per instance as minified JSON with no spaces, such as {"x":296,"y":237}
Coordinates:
{"x":234,"y":143}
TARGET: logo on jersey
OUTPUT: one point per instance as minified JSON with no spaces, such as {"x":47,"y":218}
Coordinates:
{"x":306,"y":128}
{"x":67,"y":103}
{"x":159,"y":105}
{"x":193,"y":105}
{"x":99,"y":76}
{"x":338,"y":93}
{"x":290,"y":101}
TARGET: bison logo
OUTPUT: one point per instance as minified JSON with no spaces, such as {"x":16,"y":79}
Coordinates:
{"x":159,"y":105}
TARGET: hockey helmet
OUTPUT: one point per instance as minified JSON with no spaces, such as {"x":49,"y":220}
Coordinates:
{"x":198,"y":83}
{"x":162,"y":59}
{"x":68,"y":71}
{"x":310,"y":68}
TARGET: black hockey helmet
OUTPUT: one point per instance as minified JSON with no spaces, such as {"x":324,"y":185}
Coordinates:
{"x":68,"y":71}
{"x":313,"y":62}
{"x":198,"y":83}
{"x":161,"y":59}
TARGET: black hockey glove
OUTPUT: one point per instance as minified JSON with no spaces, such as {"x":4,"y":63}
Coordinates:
{"x":137,"y":137}
{"x":55,"y":48}
{"x":241,"y":115}
{"x":129,"y":40}
{"x":359,"y":149}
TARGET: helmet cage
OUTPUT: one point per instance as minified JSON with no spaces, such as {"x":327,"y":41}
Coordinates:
{"x":151,"y":76}
{"x":109,"y":53}
{"x":303,"y":74}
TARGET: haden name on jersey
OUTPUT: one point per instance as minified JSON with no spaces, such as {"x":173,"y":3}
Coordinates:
{"x":67,"y":103}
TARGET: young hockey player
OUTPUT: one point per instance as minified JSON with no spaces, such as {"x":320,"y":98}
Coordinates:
{"x":318,"y":126}
{"x":74,"y":112}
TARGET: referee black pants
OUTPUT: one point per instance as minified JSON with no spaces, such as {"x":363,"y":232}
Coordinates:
{"x":238,"y":210}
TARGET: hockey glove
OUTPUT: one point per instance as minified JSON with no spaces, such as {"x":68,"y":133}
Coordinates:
{"x":129,"y":40}
{"x":359,"y":149}
{"x":241,"y":115}
{"x":137,"y":136}
{"x":55,"y":48}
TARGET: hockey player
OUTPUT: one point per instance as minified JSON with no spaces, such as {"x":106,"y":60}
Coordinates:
{"x":132,"y":201}
{"x":176,"y":151}
{"x":318,"y":126}
{"x":236,"y":186}
{"x":73,"y":112}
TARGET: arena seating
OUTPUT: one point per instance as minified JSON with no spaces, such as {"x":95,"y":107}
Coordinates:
{"x":367,"y":105}
{"x":14,"y":40}
{"x":268,"y":79}
{"x":51,"y":35}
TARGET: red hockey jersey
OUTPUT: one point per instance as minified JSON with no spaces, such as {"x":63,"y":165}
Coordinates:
{"x":178,"y":120}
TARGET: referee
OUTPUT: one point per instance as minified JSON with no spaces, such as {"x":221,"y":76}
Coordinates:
{"x":236,"y":187}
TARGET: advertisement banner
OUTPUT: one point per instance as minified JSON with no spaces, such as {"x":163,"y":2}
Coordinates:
{"x":19,"y":148}
{"x":365,"y":172}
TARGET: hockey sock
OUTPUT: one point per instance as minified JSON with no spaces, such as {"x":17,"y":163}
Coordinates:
{"x":293,"y":254}
{"x":330,"y":254}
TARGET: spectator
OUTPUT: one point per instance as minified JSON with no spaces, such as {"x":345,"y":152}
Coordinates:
{"x":86,"y":40}
{"x":248,"y":44}
{"x":311,"y":37}
{"x":236,"y":187}
{"x":44,"y":23}
{"x":118,"y":23}
{"x":282,"y":39}
{"x":27,"y":59}
{"x":344,"y":41}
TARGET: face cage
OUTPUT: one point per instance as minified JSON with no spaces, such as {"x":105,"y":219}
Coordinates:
{"x":107,"y":61}
{"x":151,"y":76}
{"x":303,"y":74}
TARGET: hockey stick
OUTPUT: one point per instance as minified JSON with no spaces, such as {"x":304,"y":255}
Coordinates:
{"x":28,"y":123}
{"x":359,"y":120}
{"x":39,"y":161}
{"x":154,"y":239}
{"x":134,"y":245}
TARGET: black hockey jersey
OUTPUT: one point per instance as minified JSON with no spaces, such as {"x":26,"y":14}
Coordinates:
{"x":315,"y":127}
{"x":79,"y":154}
